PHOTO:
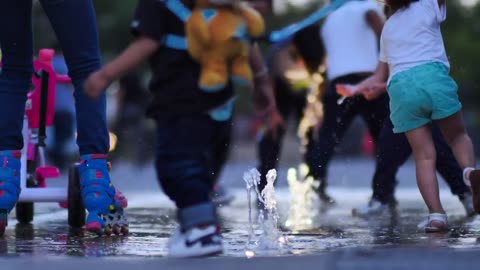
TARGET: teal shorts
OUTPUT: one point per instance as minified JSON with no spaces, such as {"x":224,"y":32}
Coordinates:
{"x":422,"y":94}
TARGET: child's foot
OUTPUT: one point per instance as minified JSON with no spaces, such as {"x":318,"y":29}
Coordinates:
{"x":374,"y":208}
{"x":9,"y":184}
{"x":196,"y":242}
{"x":435,"y":222}
{"x":103,"y":202}
{"x":320,"y":187}
{"x":473,"y":181}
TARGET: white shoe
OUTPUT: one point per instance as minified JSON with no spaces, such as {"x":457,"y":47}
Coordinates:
{"x":196,"y":242}
{"x":435,"y":222}
{"x":373,"y":208}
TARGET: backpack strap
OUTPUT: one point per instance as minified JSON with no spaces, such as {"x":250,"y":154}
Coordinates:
{"x":177,"y":8}
{"x":173,"y":41}
{"x":183,"y":13}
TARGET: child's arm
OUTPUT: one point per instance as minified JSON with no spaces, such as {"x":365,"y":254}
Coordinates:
{"x":263,"y":93}
{"x":371,"y":87}
{"x":139,"y":51}
{"x":375,"y":22}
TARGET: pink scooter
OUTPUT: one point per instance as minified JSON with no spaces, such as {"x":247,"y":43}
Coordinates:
{"x":39,"y":113}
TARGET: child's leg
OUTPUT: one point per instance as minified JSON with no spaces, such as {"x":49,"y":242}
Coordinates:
{"x":75,"y":26}
{"x":454,"y":131}
{"x":76,"y":29}
{"x":453,"y":128}
{"x":183,"y":169}
{"x":15,"y":81}
{"x":421,"y":141}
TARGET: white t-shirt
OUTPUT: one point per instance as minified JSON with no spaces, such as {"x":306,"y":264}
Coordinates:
{"x":350,"y":42}
{"x":412,"y":36}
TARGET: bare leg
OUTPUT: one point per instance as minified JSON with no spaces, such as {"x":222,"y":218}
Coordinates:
{"x":421,"y":141}
{"x":456,"y":135}
{"x":454,"y":131}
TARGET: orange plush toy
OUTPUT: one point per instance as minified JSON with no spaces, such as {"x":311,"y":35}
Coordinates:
{"x":218,"y":33}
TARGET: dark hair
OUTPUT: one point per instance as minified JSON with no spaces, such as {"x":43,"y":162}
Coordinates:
{"x":398,"y":4}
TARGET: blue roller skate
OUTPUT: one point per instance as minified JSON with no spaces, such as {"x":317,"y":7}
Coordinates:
{"x":9,"y":184}
{"x":103,"y":202}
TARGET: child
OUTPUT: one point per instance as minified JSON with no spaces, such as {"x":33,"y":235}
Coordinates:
{"x":188,"y":120}
{"x":420,"y":91}
{"x":76,"y":29}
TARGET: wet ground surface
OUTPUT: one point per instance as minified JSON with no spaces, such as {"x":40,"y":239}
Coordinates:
{"x":152,"y":224}
{"x":152,"y":221}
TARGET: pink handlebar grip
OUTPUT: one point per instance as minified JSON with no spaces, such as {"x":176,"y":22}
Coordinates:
{"x":46,"y":55}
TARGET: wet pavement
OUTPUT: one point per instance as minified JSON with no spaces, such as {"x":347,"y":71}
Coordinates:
{"x":333,"y":233}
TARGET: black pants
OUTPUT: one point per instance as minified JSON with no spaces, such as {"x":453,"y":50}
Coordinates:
{"x":393,"y":152}
{"x":184,"y":164}
{"x":338,"y":118}
{"x":221,"y":150}
{"x":269,"y":148}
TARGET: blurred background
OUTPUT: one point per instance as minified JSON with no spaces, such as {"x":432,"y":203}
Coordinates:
{"x":128,"y":98}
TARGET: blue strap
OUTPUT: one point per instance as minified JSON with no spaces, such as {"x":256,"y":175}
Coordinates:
{"x":183,"y":13}
{"x":174,"y":42}
{"x":290,"y":30}
{"x":177,"y":8}
{"x":223,"y":112}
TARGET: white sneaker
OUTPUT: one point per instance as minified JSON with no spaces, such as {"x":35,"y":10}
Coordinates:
{"x":196,"y":242}
{"x":467,"y":202}
{"x":373,"y":208}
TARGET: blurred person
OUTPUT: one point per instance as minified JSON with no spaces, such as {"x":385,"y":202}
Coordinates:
{"x":301,"y":56}
{"x":75,"y":27}
{"x":221,"y":194}
{"x":415,"y":67}
{"x":391,"y":150}
{"x":134,"y":136}
{"x":187,"y":121}
{"x":346,"y":64}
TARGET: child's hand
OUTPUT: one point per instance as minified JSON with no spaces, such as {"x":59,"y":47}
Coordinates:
{"x":96,"y":84}
{"x":374,"y":91}
{"x":275,"y":124}
{"x":346,"y":90}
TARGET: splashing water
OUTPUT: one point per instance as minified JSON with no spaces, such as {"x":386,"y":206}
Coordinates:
{"x":252,"y":179}
{"x":270,"y":238}
{"x":304,"y":202}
